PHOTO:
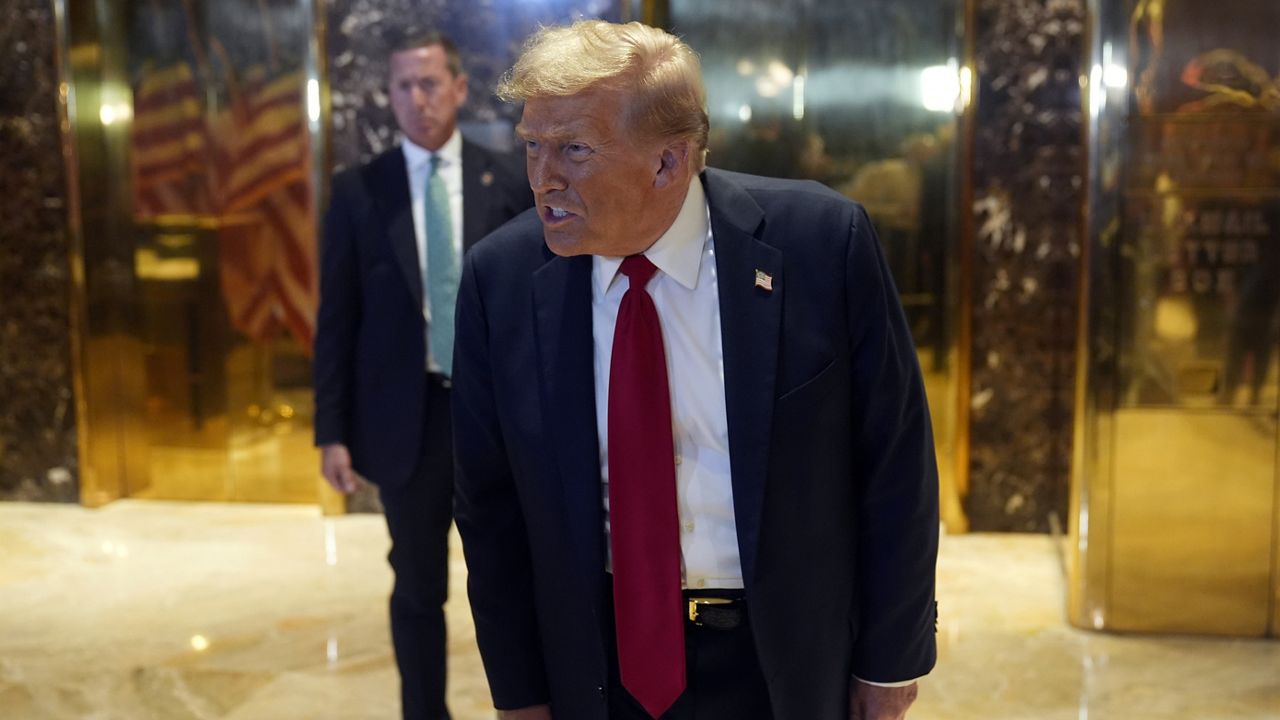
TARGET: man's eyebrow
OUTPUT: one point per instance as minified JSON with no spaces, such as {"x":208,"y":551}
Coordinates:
{"x":559,"y":132}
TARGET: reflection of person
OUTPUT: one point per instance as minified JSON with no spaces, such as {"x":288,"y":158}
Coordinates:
{"x":382,"y":375}
{"x":771,"y":144}
{"x":1251,"y":332}
{"x":906,"y":196}
{"x":711,"y":494}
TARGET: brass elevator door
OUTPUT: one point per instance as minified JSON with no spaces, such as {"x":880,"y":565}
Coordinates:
{"x":195,"y":156}
{"x":1179,"y":529}
{"x":1196,"y":420}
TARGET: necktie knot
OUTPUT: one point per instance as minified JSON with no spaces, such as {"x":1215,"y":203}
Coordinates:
{"x":433,"y":165}
{"x":639,"y":269}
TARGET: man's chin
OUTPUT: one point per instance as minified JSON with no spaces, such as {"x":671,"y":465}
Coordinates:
{"x":564,"y":245}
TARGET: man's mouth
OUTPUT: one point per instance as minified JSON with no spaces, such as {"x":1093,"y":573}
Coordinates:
{"x":553,"y":215}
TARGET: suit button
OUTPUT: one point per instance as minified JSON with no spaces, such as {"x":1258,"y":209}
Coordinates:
{"x":600,"y":689}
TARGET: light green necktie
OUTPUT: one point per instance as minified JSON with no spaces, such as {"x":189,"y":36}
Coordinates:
{"x":442,"y":269}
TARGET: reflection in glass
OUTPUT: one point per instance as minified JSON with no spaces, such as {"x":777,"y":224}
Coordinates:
{"x":861,"y":97}
{"x":1202,"y":209}
{"x":1177,"y":476}
{"x":224,"y":245}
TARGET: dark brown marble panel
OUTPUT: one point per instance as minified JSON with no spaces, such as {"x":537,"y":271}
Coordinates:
{"x":37,"y":408}
{"x":1028,"y":190}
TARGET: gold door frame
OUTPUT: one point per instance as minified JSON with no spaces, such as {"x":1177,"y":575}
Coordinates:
{"x":89,"y":59}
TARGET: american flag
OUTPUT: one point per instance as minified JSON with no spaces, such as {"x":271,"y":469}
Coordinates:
{"x":247,"y":165}
{"x":267,"y":247}
{"x":168,"y":145}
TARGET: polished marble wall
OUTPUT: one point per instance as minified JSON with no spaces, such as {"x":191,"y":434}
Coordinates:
{"x":1028,"y":190}
{"x":37,"y":402}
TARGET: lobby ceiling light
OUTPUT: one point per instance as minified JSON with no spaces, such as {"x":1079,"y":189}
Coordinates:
{"x":940,"y":87}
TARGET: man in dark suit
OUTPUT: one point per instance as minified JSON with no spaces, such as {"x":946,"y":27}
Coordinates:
{"x":393,"y":238}
{"x":696,"y":473}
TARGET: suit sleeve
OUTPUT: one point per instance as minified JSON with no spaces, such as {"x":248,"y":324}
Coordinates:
{"x":337,"y":319}
{"x":897,"y":514}
{"x":489,"y":517}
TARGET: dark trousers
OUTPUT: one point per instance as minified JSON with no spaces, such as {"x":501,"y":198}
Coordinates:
{"x":724,"y":681}
{"x":418,"y":518}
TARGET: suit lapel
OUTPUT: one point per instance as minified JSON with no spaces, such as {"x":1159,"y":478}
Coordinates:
{"x":392,"y":182}
{"x":750,"y":324}
{"x":477,"y":194}
{"x":566,"y":356}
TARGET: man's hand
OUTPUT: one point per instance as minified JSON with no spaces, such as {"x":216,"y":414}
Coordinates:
{"x":876,"y":702}
{"x":335,"y":465}
{"x":533,"y":712}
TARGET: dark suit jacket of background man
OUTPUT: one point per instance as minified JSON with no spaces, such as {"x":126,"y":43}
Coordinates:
{"x":831,"y":454}
{"x":370,"y":357}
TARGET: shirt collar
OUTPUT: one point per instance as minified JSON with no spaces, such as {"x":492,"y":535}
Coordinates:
{"x":417,"y":157}
{"x":678,"y":252}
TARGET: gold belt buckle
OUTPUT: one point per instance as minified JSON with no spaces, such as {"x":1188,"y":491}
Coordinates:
{"x":697,"y":602}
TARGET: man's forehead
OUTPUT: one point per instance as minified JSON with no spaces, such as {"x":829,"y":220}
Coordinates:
{"x":567,"y":115}
{"x":413,"y":60}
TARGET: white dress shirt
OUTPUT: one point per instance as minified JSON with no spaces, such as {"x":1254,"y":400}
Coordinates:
{"x":684,"y":290}
{"x":686,"y":294}
{"x":417,"y":161}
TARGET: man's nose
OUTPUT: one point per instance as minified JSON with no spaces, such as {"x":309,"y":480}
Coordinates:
{"x":544,"y":174}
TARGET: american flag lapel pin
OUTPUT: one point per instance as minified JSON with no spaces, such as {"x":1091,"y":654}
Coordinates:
{"x":764,"y":280}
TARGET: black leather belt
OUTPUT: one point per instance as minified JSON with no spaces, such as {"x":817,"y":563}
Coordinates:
{"x":722,"y":610}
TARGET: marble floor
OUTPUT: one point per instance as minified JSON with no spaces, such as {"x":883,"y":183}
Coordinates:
{"x":149,"y":610}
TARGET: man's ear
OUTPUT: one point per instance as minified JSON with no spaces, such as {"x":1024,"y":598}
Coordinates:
{"x":673,"y":164}
{"x":461,"y":85}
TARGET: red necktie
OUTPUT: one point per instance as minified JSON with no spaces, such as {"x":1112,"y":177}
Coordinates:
{"x":644,"y":525}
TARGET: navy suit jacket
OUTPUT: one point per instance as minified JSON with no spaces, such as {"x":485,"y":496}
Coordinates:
{"x":831,"y":453}
{"x":370,"y":350}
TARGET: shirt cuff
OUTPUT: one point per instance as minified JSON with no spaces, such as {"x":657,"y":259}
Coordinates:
{"x":900,"y":683}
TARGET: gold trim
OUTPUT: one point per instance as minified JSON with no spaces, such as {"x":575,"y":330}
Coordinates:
{"x":331,"y":501}
{"x":106,"y":425}
{"x":1083,"y":609}
{"x":1273,"y":623}
{"x":966,"y":248}
{"x":77,"y":294}
{"x":656,"y":13}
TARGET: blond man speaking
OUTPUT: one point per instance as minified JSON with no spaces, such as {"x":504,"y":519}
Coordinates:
{"x":695,"y":470}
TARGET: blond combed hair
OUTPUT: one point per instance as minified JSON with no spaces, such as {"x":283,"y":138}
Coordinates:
{"x":659,"y":73}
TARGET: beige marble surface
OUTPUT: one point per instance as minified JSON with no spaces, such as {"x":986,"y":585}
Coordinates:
{"x":148,"y":610}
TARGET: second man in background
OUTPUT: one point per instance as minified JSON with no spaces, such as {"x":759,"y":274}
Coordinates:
{"x":394,"y":236}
